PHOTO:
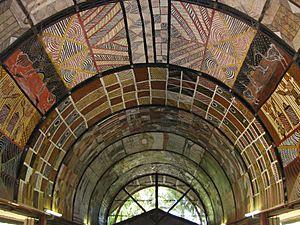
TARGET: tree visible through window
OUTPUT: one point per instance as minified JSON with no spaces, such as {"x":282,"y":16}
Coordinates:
{"x":168,"y":200}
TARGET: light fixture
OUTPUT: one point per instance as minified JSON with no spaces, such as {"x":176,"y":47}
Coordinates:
{"x":253,"y":213}
{"x":53,"y":213}
{"x":13,"y":203}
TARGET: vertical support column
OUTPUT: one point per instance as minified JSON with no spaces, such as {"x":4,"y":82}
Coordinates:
{"x":263,"y":219}
{"x":43,"y":220}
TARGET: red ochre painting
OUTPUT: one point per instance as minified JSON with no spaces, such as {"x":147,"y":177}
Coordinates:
{"x":30,"y":80}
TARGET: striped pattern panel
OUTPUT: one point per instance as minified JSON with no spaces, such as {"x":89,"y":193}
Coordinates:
{"x":227,"y":47}
{"x":281,"y":112}
{"x":105,"y":31}
{"x":190,"y":28}
{"x":292,"y":172}
{"x":67,"y":47}
{"x":289,"y":149}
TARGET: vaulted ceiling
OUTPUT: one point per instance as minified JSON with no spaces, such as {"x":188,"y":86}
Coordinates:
{"x":95,"y":94}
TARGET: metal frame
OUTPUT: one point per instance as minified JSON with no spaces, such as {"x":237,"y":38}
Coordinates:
{"x":156,"y":188}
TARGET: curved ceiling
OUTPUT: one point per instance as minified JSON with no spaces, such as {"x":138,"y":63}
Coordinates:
{"x":169,"y":146}
{"x":212,"y":91}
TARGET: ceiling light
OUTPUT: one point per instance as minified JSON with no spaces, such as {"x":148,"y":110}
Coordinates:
{"x":53,"y":213}
{"x":13,"y":203}
{"x":252,"y":213}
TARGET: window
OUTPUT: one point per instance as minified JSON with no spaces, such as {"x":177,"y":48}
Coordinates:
{"x":168,"y":199}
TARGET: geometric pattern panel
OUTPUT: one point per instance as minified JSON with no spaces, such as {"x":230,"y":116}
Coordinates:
{"x":292,"y":172}
{"x":10,"y":159}
{"x":135,"y":31}
{"x":68,"y":49}
{"x":289,"y":149}
{"x":252,"y":8}
{"x":281,"y":112}
{"x":40,"y":9}
{"x":283,"y":18}
{"x":261,"y":71}
{"x":227,"y":47}
{"x":149,"y":31}
{"x":290,"y":156}
{"x":105,"y":31}
{"x":160,"y":16}
{"x":18,"y":117}
{"x":36,"y":75}
{"x":189,"y":34}
{"x":13,"y":23}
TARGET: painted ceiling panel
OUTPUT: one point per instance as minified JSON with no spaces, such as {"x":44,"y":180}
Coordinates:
{"x":68,"y":49}
{"x":282,"y":108}
{"x":190,"y":27}
{"x":36,"y":75}
{"x":149,"y":35}
{"x":105,"y":31}
{"x":289,"y":149}
{"x":13,"y":23}
{"x":293,"y":181}
{"x":40,"y":10}
{"x":228,"y":44}
{"x":159,"y":9}
{"x":18,"y":116}
{"x":10,"y":157}
{"x":252,"y":8}
{"x":261,"y":71}
{"x":136,"y":31}
{"x":283,"y":18}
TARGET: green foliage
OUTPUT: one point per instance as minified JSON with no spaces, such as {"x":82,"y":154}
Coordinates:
{"x":167,"y":197}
